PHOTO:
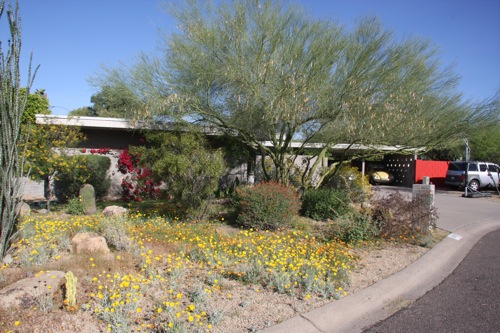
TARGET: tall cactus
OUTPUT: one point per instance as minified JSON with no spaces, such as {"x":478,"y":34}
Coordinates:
{"x":71,"y":281}
{"x":87,"y":195}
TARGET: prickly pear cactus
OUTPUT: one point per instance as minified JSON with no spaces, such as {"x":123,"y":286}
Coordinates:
{"x":71,"y":288}
{"x":87,"y":195}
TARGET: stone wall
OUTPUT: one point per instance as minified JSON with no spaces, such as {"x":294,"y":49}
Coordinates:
{"x":33,"y":191}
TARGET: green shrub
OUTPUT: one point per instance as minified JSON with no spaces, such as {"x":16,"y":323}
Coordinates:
{"x":75,"y":207}
{"x":68,"y":184}
{"x":321,"y":204}
{"x":354,"y":227}
{"x":186,"y":164}
{"x":350,"y":181}
{"x":399,"y":219}
{"x":266,"y":206}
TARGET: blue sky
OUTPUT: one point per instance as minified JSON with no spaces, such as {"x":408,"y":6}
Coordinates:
{"x":71,"y":39}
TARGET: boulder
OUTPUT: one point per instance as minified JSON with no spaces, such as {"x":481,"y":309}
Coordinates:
{"x":26,"y":292}
{"x":89,"y":242}
{"x":114,"y":211}
{"x":7,"y":260}
{"x":24,"y":210}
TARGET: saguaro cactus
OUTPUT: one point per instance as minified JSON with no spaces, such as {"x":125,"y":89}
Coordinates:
{"x":87,"y":195}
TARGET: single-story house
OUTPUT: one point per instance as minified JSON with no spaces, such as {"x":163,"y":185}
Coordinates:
{"x":118,"y":134}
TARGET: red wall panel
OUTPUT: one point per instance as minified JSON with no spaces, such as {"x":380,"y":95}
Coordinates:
{"x":436,"y":170}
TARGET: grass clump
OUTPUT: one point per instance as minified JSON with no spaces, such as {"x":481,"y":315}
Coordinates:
{"x":75,"y":206}
{"x":115,"y":229}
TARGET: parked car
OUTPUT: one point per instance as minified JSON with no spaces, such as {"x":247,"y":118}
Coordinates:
{"x":378,"y":174}
{"x":479,"y":175}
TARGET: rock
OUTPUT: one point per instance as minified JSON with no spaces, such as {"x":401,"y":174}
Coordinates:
{"x":42,"y":211}
{"x":27,"y":292}
{"x":114,"y":211}
{"x":7,"y":259}
{"x":88,"y":242}
{"x":24,"y":210}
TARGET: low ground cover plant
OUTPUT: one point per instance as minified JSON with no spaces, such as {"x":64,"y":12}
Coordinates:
{"x":75,"y":206}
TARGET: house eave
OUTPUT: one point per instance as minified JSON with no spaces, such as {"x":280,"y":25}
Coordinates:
{"x":89,"y":122}
{"x":122,"y":123}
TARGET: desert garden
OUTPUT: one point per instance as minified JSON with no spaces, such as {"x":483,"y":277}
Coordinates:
{"x":163,"y":273}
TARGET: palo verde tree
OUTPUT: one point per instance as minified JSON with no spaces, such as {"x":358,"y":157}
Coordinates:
{"x":12,"y":105}
{"x":45,"y":150}
{"x":279,"y":81}
{"x":484,"y":134}
{"x":46,"y":153}
{"x":134,"y":92}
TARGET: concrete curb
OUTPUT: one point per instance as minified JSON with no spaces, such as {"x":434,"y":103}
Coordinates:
{"x":362,"y":310}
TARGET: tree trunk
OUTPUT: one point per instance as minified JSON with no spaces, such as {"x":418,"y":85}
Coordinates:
{"x":47,"y":192}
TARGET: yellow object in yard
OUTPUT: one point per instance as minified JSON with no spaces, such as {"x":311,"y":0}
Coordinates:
{"x":379,"y":175}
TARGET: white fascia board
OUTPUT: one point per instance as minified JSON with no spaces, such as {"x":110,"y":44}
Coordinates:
{"x":95,"y":122}
{"x":344,"y":146}
{"x":109,"y":123}
{"x":296,"y":144}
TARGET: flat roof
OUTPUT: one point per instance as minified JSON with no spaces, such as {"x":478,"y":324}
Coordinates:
{"x":92,"y":122}
{"x":121,"y":123}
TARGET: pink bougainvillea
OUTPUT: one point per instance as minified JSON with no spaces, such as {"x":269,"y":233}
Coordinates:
{"x":138,"y":184}
{"x":127,"y":162}
{"x":100,"y":151}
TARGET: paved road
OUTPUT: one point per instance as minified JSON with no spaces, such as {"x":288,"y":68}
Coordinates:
{"x":467,"y":301}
